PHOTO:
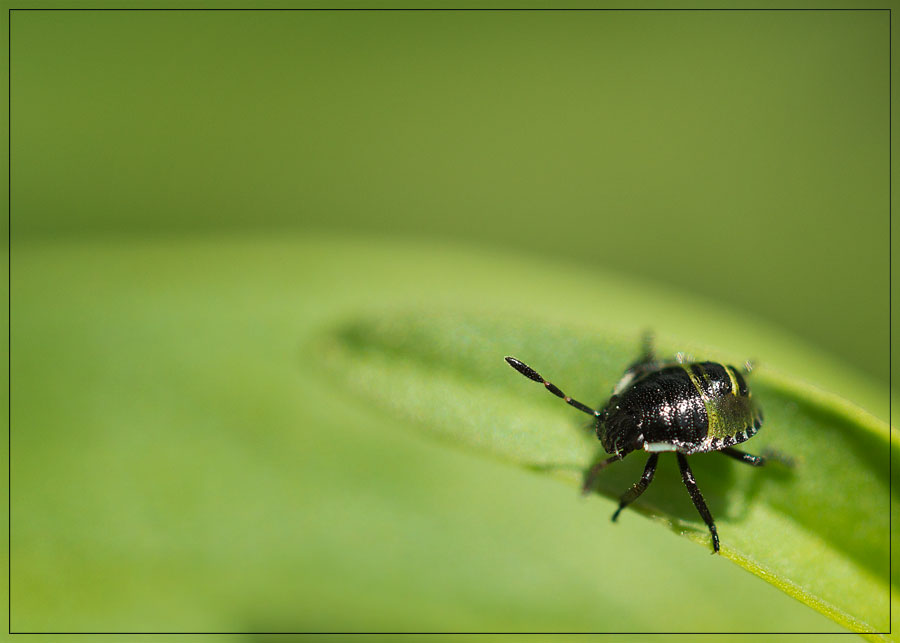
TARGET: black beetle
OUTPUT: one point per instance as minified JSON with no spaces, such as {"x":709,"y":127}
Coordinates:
{"x":683,"y":406}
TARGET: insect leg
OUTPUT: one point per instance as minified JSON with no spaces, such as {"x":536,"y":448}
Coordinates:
{"x":532,"y":374}
{"x":771,"y":455}
{"x":592,"y":473}
{"x":639,"y":487}
{"x":644,"y":364}
{"x":737,"y":454}
{"x":688,"y":477}
{"x":647,"y":352}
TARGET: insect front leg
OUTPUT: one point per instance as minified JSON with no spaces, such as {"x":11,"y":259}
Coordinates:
{"x":592,"y":473}
{"x":639,"y":487}
{"x":688,"y":477}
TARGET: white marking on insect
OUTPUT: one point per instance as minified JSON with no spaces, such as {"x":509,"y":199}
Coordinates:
{"x":659,"y":447}
{"x":623,"y":383}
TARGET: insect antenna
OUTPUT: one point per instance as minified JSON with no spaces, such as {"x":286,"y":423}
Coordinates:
{"x":532,"y":374}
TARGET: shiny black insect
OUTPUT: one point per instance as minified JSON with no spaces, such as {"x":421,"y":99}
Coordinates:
{"x":684,"y":406}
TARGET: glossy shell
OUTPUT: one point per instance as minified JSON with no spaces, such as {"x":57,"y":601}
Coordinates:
{"x":690,"y":408}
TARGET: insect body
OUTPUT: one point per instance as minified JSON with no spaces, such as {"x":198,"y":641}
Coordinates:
{"x":685,"y":407}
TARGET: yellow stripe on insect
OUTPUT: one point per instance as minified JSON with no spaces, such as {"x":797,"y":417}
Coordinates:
{"x":694,"y":380}
{"x":734,"y":382}
{"x":716,"y":424}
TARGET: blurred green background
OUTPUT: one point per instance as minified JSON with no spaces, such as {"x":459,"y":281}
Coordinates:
{"x":195,"y":194}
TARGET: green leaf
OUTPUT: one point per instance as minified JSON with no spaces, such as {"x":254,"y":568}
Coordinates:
{"x":818,"y":530}
{"x":181,"y":458}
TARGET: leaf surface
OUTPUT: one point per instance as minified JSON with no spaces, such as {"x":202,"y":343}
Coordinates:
{"x":817,"y":527}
